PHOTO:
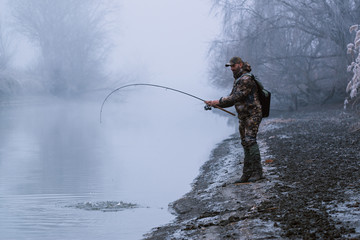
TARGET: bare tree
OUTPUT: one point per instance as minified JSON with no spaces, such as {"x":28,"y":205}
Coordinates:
{"x":8,"y":84}
{"x":4,"y":50}
{"x":297,"y":47}
{"x":71,"y":37}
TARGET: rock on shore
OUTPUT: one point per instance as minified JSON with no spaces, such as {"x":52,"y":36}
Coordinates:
{"x":311,"y":163}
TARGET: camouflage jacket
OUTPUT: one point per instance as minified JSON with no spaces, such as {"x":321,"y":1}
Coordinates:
{"x":244,"y":96}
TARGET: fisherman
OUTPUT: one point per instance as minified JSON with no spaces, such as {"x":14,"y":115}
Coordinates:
{"x":245,"y":97}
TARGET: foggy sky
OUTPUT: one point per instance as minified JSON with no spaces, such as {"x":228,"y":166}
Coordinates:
{"x":165,"y":39}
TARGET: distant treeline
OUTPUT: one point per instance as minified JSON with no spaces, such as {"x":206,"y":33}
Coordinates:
{"x":71,"y":38}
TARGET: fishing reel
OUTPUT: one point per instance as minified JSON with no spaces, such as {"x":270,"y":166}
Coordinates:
{"x":207,"y":107}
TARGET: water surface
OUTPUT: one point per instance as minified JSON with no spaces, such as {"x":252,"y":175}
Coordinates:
{"x":55,"y":157}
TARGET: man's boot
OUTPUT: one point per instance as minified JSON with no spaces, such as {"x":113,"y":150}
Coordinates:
{"x":248,"y":168}
{"x":256,"y":160}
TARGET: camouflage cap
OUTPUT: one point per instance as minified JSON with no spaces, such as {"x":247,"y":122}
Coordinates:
{"x":233,"y":61}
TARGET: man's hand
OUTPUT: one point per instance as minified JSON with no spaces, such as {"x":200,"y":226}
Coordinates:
{"x":213,"y":103}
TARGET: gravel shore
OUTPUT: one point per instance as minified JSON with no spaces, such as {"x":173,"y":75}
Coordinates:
{"x":311,"y":188}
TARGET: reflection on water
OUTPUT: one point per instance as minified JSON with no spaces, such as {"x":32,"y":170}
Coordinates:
{"x":55,"y":154}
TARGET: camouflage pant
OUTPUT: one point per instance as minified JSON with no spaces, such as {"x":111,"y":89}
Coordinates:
{"x":248,"y":128}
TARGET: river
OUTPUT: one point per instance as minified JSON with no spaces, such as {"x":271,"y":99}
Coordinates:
{"x":65,"y":175}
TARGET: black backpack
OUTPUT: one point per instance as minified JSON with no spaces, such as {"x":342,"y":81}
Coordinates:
{"x":264,"y":95}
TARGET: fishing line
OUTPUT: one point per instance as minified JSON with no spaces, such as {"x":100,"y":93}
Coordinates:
{"x":158,"y":86}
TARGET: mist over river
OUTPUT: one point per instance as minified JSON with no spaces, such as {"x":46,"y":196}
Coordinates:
{"x":63,"y":175}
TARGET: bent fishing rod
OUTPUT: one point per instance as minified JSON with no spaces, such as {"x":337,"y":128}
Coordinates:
{"x":207,"y":107}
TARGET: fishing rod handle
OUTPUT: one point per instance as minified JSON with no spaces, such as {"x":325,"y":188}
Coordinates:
{"x":224,"y":110}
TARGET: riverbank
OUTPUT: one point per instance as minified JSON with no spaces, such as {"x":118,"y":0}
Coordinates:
{"x":311,"y":162}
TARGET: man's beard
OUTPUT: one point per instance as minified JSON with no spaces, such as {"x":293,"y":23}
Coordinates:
{"x":237,"y":73}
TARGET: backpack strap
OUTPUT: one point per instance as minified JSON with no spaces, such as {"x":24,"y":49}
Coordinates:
{"x":245,"y":74}
{"x":260,"y":86}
